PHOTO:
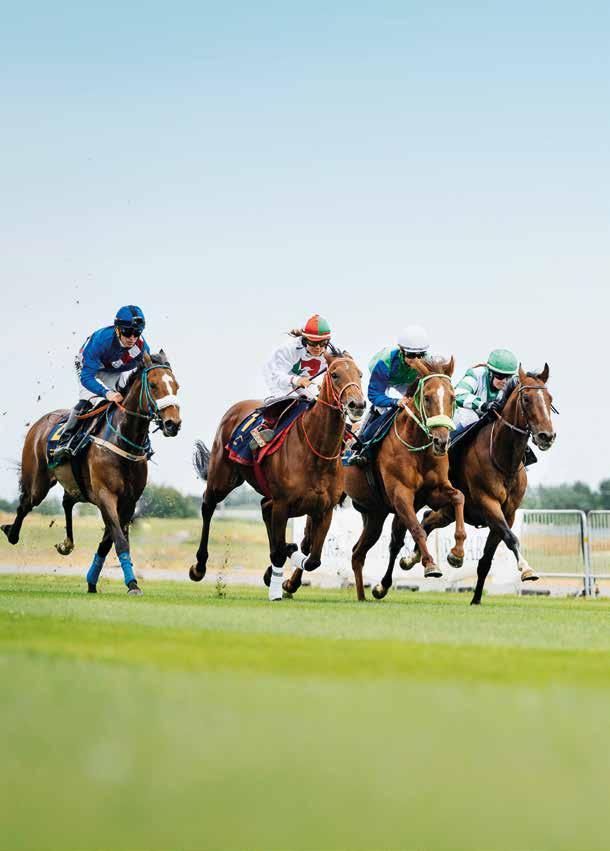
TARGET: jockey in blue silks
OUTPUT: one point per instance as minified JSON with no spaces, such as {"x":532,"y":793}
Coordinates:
{"x":391,"y":378}
{"x":103,"y":364}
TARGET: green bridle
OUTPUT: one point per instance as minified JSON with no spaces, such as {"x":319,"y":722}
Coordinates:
{"x":425,"y":422}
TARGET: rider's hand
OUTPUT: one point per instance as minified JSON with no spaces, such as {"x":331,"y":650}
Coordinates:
{"x":113,"y":396}
{"x":489,"y":406}
{"x":302,"y":382}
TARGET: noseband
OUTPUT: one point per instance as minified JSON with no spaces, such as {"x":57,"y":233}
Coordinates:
{"x":335,"y":405}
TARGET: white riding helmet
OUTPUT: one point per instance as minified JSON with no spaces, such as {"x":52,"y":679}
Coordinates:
{"x":414,"y":340}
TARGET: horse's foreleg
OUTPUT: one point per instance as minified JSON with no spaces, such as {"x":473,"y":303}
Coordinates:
{"x":116,"y":526}
{"x":430,"y":521}
{"x":316,"y":530}
{"x":497,"y":522}
{"x":405,"y":509}
{"x":396,"y":543}
{"x":97,"y":564}
{"x":491,"y":544}
{"x":455,"y":497}
{"x":371,"y":532}
{"x":67,"y":545}
{"x":266,"y":508}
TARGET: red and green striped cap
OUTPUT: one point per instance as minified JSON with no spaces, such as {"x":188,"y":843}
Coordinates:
{"x":317,"y":328}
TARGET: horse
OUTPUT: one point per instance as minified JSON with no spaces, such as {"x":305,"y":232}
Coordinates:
{"x":491,"y":473}
{"x":304,"y":476}
{"x":411,"y":469}
{"x":113,"y":473}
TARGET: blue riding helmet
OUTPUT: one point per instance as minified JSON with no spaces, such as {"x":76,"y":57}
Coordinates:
{"x":130,"y":317}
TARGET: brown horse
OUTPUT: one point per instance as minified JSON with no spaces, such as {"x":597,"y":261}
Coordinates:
{"x":304,"y":476}
{"x":491,"y":474}
{"x":114,"y":471}
{"x":411,"y":470}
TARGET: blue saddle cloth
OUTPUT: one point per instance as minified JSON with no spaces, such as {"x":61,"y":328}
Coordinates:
{"x":238,"y":445}
{"x":375,"y":430}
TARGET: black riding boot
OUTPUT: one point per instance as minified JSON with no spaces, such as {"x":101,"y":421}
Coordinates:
{"x":64,"y":450}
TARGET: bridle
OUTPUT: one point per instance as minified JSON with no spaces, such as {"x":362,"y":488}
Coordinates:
{"x":425,"y":422}
{"x":527,"y":431}
{"x":148,"y":408}
{"x":335,"y":405}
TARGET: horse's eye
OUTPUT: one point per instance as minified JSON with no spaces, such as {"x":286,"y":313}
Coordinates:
{"x":334,"y":375}
{"x":153,"y":385}
{"x":360,"y":373}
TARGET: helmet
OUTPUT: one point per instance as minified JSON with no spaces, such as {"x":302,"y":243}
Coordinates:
{"x":317,"y":328}
{"x":130,"y":316}
{"x":414,"y":340}
{"x":503,"y":361}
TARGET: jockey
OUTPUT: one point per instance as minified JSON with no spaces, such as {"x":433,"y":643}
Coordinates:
{"x":292,"y":366}
{"x":102,"y":365}
{"x":390,"y":374}
{"x":478,"y":391}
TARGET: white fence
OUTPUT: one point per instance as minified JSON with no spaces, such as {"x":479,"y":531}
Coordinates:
{"x":562,"y":546}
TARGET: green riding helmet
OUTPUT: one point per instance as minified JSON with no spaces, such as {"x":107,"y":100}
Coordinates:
{"x":503,"y":362}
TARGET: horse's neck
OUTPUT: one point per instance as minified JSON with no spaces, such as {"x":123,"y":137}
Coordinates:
{"x":134,"y":428}
{"x":509,"y":445}
{"x":409,"y":430}
{"x":325,"y":425}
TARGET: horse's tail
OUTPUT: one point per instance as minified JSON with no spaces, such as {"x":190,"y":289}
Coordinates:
{"x":342,"y":499}
{"x":201,"y":459}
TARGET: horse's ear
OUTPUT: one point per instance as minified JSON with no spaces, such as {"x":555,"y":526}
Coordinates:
{"x":522,"y":375}
{"x":449,"y":367}
{"x":544,"y":375}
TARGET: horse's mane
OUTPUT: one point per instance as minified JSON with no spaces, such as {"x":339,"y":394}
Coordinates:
{"x":159,"y":359}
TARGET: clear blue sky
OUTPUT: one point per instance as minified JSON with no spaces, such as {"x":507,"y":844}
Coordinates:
{"x":236,"y":167}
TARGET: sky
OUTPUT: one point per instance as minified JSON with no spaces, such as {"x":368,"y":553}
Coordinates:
{"x":234,"y":168}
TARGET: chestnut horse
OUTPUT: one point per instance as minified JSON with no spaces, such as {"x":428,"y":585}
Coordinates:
{"x":113,"y":473}
{"x":304,"y":475}
{"x":411,"y":470}
{"x":491,"y":474}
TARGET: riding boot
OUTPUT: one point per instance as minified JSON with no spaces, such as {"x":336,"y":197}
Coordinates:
{"x":530,"y":457}
{"x":64,"y":450}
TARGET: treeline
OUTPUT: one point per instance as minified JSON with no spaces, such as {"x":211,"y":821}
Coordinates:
{"x":164,"y":501}
{"x":576,"y":496}
{"x":156,"y":501}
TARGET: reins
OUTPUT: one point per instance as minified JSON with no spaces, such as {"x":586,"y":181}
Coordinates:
{"x":527,"y":431}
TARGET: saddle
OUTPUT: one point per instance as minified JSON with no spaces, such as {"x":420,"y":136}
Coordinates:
{"x":80,"y":439}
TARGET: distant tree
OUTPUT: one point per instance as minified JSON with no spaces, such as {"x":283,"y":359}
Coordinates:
{"x":8,"y":505}
{"x":51,"y":506}
{"x":604,"y":494}
{"x":163,"y":501}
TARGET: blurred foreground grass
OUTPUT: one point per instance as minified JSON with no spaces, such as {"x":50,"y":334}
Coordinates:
{"x":185,"y":720}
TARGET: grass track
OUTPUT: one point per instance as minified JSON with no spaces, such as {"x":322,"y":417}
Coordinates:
{"x":182,"y":720}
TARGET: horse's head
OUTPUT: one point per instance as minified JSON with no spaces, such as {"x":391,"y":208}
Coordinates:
{"x":435,"y":399}
{"x":343,"y":377}
{"x":158,"y":393}
{"x":535,"y":402}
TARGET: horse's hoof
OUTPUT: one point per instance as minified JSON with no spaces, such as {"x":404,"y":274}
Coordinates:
{"x":454,"y":560}
{"x":378,"y":591}
{"x":267,"y":576}
{"x":195,"y":575}
{"x":529,"y":575}
{"x":136,"y":591}
{"x":475,"y":602}
{"x":432,"y":572}
{"x":7,"y":528}
{"x":91,"y":588}
{"x":407,"y":563}
{"x":65,"y":548}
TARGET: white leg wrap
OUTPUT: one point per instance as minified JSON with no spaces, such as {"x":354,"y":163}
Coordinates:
{"x":275,"y":586}
{"x":297,"y":559}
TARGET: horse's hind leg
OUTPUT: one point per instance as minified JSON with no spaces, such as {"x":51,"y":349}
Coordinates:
{"x":430,"y":521}
{"x":67,"y":545}
{"x":371,"y":532}
{"x":491,"y":545}
{"x":396,"y":543}
{"x":34,"y":487}
{"x":222,"y":480}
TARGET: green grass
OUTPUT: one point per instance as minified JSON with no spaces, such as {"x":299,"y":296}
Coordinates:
{"x":183,"y":720}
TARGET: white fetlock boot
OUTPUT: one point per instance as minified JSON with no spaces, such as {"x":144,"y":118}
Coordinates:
{"x":275,"y":585}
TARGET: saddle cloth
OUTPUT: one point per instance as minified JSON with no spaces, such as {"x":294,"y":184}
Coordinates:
{"x":281,"y":418}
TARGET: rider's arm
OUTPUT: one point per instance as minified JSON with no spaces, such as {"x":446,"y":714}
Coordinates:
{"x":467,"y":394}
{"x":378,"y":384}
{"x":278,"y":371}
{"x":92,"y":363}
